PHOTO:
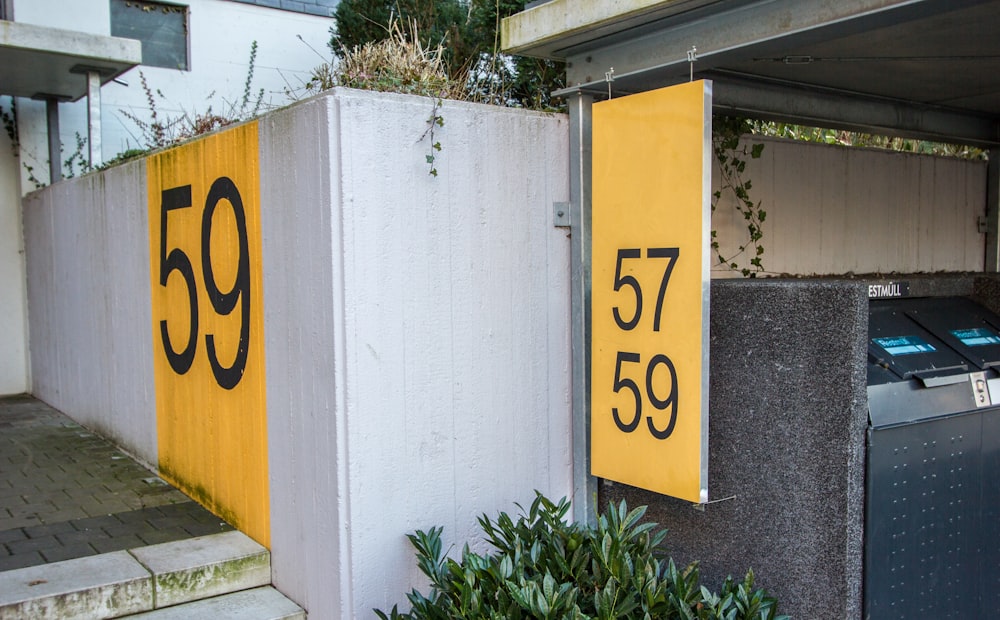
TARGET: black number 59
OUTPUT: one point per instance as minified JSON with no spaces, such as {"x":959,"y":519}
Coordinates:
{"x":667,"y":404}
{"x":223,"y":302}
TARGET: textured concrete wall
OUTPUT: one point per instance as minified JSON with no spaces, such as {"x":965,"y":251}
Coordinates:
{"x":788,"y":411}
{"x":986,"y":290}
{"x":433,"y":315}
{"x":87,"y":244}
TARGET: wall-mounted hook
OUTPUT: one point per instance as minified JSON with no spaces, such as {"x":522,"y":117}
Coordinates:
{"x":701,"y":507}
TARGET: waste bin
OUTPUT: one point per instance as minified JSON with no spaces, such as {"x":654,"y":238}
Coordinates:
{"x":932,"y":514}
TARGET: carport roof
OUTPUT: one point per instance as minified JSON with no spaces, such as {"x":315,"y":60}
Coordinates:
{"x":50,"y":63}
{"x":922,"y":68}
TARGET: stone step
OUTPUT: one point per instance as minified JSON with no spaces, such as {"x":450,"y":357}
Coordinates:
{"x":203,"y":567}
{"x":99,"y":586}
{"x":257,"y":604}
{"x":117,"y":584}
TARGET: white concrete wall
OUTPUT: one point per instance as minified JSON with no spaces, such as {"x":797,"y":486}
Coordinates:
{"x":87,"y":16}
{"x":438,"y":338}
{"x":417,"y":328}
{"x":221,"y":33}
{"x":13,"y":311}
{"x":87,"y":243}
{"x":835,"y":210}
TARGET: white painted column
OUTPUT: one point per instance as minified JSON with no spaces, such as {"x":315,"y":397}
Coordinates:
{"x":13,"y":309}
{"x":94,"y":117}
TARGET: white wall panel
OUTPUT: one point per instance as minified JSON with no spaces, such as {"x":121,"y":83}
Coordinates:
{"x":13,"y":310}
{"x":88,"y":278}
{"x":417,"y":333}
{"x":91,"y":16}
{"x":835,"y":210}
{"x":306,"y":356}
{"x":461,"y":272}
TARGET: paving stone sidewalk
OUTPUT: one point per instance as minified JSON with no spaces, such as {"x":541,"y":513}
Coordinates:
{"x":66,"y":492}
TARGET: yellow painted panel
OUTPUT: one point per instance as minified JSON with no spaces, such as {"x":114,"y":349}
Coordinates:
{"x":208,"y":325}
{"x":649,"y":287}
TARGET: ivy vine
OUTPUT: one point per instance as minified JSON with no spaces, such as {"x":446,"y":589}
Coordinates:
{"x":732,"y":154}
{"x":434,"y":121}
{"x":9,"y":120}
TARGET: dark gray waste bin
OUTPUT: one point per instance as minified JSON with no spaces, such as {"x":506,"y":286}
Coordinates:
{"x":932,"y":518}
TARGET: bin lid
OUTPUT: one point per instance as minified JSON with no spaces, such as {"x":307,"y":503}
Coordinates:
{"x":963,"y":325}
{"x":900,"y":345}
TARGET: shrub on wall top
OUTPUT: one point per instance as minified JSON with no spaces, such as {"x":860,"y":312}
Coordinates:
{"x":546,"y":568}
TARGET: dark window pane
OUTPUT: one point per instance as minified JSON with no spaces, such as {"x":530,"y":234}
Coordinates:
{"x":162,"y":29}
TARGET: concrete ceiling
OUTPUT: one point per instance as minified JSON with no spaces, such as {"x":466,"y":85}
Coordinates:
{"x":41,"y":62}
{"x":921,"y":68}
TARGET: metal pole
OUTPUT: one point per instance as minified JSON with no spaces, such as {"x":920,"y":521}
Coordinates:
{"x":55,"y":146}
{"x":94,"y":117}
{"x":992,"y":264}
{"x":584,"y":485}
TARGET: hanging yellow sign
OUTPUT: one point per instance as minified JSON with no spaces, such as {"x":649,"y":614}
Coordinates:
{"x":650,"y":290}
{"x":208,"y":324}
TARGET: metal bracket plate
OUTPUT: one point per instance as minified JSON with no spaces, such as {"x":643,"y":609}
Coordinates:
{"x":560,"y":214}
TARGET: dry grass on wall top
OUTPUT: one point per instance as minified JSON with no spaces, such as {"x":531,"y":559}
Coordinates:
{"x":398,"y":64}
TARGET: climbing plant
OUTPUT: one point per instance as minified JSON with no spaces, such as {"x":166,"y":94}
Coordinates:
{"x":9,"y":119}
{"x":845,"y":137}
{"x":732,"y":153}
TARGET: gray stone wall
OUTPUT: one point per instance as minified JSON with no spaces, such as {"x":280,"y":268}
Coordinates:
{"x":788,"y":418}
{"x":788,"y":412}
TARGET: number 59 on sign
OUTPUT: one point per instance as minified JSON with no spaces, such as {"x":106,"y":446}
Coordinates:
{"x":207,"y":308}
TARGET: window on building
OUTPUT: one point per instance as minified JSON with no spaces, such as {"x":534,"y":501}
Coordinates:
{"x":323,"y":8}
{"x":162,"y":28}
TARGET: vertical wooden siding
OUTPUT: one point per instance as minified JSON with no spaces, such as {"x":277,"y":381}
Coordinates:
{"x":835,"y":210}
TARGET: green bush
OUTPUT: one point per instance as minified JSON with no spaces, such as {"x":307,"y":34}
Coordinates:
{"x":544,"y":567}
{"x":462,"y":35}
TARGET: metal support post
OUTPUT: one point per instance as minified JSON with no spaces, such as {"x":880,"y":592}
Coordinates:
{"x":584,"y":485}
{"x":992,"y":264}
{"x":55,"y":146}
{"x":94,"y":117}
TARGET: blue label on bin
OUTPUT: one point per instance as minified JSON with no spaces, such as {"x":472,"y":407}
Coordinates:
{"x":904,"y":345}
{"x":976,"y":337}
